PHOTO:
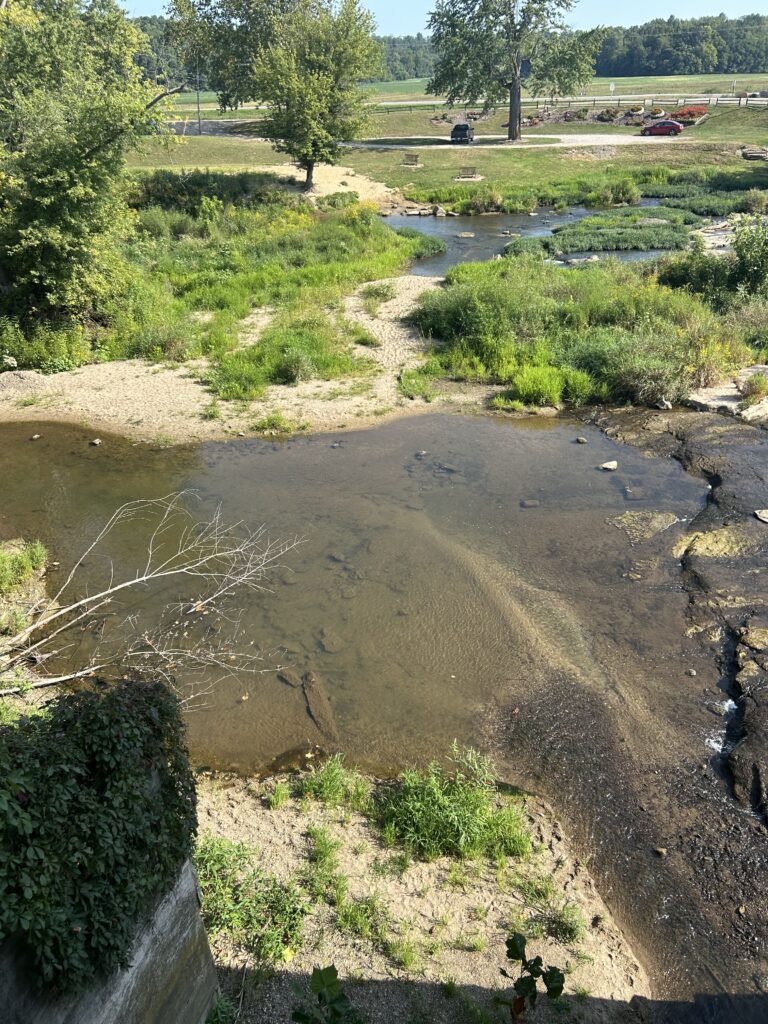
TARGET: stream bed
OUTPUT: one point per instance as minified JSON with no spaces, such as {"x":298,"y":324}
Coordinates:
{"x":459,"y":578}
{"x":483,"y":236}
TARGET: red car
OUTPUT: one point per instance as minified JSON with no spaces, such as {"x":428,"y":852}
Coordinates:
{"x":663,"y":128}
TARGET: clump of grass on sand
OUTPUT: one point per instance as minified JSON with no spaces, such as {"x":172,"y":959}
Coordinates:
{"x":435,"y":812}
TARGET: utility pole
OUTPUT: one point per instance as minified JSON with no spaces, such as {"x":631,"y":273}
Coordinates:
{"x":199,"y":120}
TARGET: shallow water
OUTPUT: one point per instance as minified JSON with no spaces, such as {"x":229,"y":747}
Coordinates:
{"x":422,"y":591}
{"x":432,"y":606}
{"x":489,"y":238}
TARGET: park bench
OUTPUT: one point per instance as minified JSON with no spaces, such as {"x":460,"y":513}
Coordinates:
{"x":467,"y":172}
{"x":411,"y":160}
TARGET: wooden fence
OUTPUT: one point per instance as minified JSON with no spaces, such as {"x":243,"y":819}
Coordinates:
{"x":590,"y":102}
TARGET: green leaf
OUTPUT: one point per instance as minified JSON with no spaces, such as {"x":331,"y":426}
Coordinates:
{"x":516,"y":947}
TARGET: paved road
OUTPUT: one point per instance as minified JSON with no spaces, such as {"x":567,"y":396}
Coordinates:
{"x":558,"y":140}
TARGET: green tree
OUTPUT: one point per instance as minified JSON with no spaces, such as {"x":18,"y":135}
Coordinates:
{"x":72,"y":100}
{"x":483,"y":47}
{"x":221,"y":38}
{"x":309,"y":77}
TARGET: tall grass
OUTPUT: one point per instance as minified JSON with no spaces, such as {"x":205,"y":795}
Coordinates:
{"x":18,"y":564}
{"x":630,"y":338}
{"x":197,"y":264}
{"x":437,"y":812}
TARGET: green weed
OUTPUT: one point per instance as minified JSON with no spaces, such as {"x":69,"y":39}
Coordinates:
{"x":366,"y":917}
{"x":336,"y":785}
{"x":434,"y":812}
{"x":255,"y":911}
{"x":279,"y":794}
{"x":18,"y":564}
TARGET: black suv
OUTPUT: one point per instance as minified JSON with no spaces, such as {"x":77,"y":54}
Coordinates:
{"x":463,"y":133}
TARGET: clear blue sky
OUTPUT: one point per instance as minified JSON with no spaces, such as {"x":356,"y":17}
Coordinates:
{"x":405,"y":17}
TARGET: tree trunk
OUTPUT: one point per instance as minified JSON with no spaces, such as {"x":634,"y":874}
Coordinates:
{"x":308,"y":184}
{"x":515,"y":111}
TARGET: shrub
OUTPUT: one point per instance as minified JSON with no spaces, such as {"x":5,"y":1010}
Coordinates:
{"x":689,"y":113}
{"x":262,"y":915}
{"x":336,"y":785}
{"x":97,"y":814}
{"x":434,"y":812}
{"x":608,"y":114}
{"x":756,"y":201}
{"x":754,"y":390}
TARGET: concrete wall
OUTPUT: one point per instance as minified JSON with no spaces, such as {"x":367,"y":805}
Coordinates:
{"x":171,"y":980}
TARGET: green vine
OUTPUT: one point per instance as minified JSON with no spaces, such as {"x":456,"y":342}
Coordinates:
{"x":97,"y":814}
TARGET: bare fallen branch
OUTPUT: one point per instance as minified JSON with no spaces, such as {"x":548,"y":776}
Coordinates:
{"x":215,"y":560}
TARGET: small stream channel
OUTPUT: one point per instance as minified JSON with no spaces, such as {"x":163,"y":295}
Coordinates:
{"x":483,"y":236}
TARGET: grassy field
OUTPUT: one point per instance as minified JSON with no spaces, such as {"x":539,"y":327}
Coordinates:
{"x":204,"y":151}
{"x":504,"y":168}
{"x":724,"y":124}
{"x":673,"y":85}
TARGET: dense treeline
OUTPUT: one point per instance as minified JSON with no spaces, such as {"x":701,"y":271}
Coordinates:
{"x":406,"y":57}
{"x":697,"y":46}
{"x":671,"y":46}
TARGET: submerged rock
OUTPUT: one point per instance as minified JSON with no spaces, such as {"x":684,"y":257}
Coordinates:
{"x":318,"y":706}
{"x":640,"y":526}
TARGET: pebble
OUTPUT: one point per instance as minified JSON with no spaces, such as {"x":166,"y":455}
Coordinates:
{"x":581,"y":440}
{"x":660,"y":851}
{"x":691,"y":671}
{"x":529,"y":503}
{"x":762,"y":514}
{"x":35,"y":437}
{"x":609,"y":467}
{"x":96,"y":441}
{"x":336,"y":444}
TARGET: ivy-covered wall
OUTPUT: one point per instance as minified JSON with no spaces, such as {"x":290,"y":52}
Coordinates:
{"x":97,"y":816}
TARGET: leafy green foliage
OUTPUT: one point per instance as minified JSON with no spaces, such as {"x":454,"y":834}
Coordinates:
{"x":335,"y":785}
{"x":436,"y":812}
{"x":18,"y":564}
{"x":97,"y":813}
{"x":331,"y":1005}
{"x":260,"y":914}
{"x":72,"y":100}
{"x":634,"y":339}
{"x":526,"y":984}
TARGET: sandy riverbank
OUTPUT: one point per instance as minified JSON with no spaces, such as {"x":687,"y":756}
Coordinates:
{"x":167,"y":404}
{"x":455,"y":917}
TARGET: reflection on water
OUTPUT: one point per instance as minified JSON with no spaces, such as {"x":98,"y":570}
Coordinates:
{"x":485,"y":235}
{"x":423,"y":593}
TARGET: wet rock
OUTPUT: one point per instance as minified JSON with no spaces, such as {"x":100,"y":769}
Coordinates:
{"x":610,"y":467}
{"x":290,"y":678}
{"x":318,"y":706}
{"x":336,"y":556}
{"x":529,"y":503}
{"x":466,"y":234}
{"x":640,"y":526}
{"x":330,"y":642}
